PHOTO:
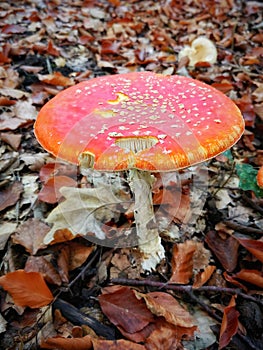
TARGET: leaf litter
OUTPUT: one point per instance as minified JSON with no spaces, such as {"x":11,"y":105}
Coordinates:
{"x":212,"y":238}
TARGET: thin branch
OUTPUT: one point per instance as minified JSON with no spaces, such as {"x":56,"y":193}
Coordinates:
{"x":185,"y":288}
{"x":242,"y":228}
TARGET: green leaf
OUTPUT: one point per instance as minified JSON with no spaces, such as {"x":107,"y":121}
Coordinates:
{"x":247,"y":179}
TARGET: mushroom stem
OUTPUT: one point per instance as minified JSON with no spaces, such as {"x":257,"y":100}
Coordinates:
{"x":149,"y":241}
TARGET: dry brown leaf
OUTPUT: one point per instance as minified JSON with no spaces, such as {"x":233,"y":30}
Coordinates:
{"x":50,"y":191}
{"x":11,"y":139}
{"x":124,"y":310}
{"x":225,"y":247}
{"x":79,"y":253}
{"x":63,"y":262}
{"x":254,"y":246}
{"x":165,"y":305}
{"x":30,"y":235}
{"x":182,"y":262}
{"x":79,"y":212}
{"x":10,"y":195}
{"x":168,"y":337}
{"x":43,"y":266}
{"x":89,"y":343}
{"x":229,"y":326}
{"x":251,"y":276}
{"x":203,"y":276}
{"x":27,"y":288}
{"x":56,"y":79}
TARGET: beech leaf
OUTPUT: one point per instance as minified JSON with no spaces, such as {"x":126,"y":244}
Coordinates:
{"x":124,"y":310}
{"x":79,"y":212}
{"x":229,"y":326}
{"x":165,"y":305}
{"x":27,"y":288}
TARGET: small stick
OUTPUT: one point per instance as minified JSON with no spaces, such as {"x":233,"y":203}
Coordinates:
{"x":184,"y":288}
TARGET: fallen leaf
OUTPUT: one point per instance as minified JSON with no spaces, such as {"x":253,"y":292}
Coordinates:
{"x":11,"y":139}
{"x":30,"y":235}
{"x":50,"y":190}
{"x":124,"y":310}
{"x":27,"y":288}
{"x":203,"y":276}
{"x":79,"y":253}
{"x":229,"y":326}
{"x":165,"y":305}
{"x":182,"y":262}
{"x":79,"y":212}
{"x":56,"y":79}
{"x":89,"y":343}
{"x":10,"y":195}
{"x":251,"y":276}
{"x":6,"y":229}
{"x":254,"y":246}
{"x":41,"y":265}
{"x":225,"y":248}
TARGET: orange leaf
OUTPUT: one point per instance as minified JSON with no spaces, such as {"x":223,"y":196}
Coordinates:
{"x":27,"y":288}
{"x":168,"y":337}
{"x":229,"y":326}
{"x":88,"y":343}
{"x":202,"y":277}
{"x":182,"y":262}
{"x":56,"y":79}
{"x":254,"y":246}
{"x":251,"y":276}
{"x":164,"y":304}
{"x":50,"y":191}
{"x":84,"y":343}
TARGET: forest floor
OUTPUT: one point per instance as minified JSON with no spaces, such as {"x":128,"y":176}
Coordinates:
{"x":73,"y":293}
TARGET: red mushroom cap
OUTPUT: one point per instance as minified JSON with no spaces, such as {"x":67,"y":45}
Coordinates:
{"x":139,"y":120}
{"x":260,"y":177}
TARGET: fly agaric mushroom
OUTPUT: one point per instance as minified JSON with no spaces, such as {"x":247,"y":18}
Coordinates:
{"x":260,"y":177}
{"x":141,"y":122}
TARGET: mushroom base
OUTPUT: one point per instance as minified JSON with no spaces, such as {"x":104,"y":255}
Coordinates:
{"x":149,"y":241}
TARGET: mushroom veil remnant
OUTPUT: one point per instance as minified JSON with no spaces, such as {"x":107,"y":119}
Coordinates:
{"x":141,"y":122}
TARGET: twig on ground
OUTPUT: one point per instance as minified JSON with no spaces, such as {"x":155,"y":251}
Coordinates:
{"x":185,"y":288}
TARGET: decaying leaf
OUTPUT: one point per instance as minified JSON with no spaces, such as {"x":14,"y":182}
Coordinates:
{"x":251,"y":276}
{"x":124,"y":310}
{"x":41,"y":265}
{"x":6,"y":229}
{"x":30,"y":235}
{"x":165,"y":305}
{"x":27,"y":288}
{"x":79,"y":212}
{"x":10,"y":195}
{"x":254,"y":246}
{"x":89,"y":343}
{"x":229,"y":324}
{"x":50,"y":191}
{"x":182,"y":262}
{"x":225,"y":248}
